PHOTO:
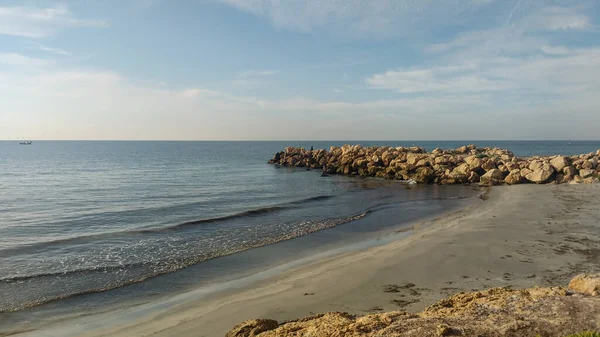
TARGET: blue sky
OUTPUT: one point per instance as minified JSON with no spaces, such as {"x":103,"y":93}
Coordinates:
{"x":299,"y":69}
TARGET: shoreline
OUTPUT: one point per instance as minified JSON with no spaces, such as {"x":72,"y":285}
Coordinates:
{"x":327,"y":243}
{"x":521,"y":236}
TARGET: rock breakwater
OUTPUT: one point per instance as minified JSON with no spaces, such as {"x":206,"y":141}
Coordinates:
{"x":467,"y":164}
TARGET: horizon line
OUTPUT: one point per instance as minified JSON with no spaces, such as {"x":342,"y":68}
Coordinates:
{"x":301,"y":140}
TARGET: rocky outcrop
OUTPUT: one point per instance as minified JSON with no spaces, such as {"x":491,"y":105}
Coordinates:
{"x":553,"y":311}
{"x":254,"y":327}
{"x":587,"y":284}
{"x":467,"y":164}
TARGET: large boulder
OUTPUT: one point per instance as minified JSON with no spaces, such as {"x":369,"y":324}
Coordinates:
{"x":423,"y":162}
{"x":362,"y":163}
{"x":570,"y":171}
{"x":372,"y":171}
{"x":514,"y":177}
{"x":252,"y":328}
{"x":474,"y":162}
{"x":512,"y":166}
{"x":405,"y":166}
{"x":457,"y":178}
{"x":488,"y":165}
{"x":474,"y":177}
{"x":423,"y":175}
{"x":525,"y":171}
{"x":414,"y":158}
{"x":417,"y":149}
{"x":462,"y":150}
{"x":587,"y":164}
{"x":541,"y":174}
{"x":578,"y":163}
{"x":588,"y":284}
{"x":442,"y":160}
{"x":440,"y":169}
{"x":585,"y":173}
{"x":463,"y":169}
{"x":387,"y":157}
{"x":492,"y":177}
{"x":559,"y":163}
{"x":535,"y":164}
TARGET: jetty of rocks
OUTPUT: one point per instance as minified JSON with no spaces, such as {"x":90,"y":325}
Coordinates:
{"x":467,"y":164}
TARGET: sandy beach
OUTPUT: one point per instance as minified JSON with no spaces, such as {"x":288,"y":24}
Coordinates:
{"x":521,"y":236}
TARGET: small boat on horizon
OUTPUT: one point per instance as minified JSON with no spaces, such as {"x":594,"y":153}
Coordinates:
{"x":27,"y":142}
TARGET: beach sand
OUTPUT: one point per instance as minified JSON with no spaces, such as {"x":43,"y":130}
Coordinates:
{"x":522,"y":236}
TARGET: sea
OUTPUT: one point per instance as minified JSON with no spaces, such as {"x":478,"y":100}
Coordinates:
{"x":86,"y":226}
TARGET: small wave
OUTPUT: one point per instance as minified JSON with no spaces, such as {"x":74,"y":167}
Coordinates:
{"x":89,"y":237}
{"x":106,"y":269}
{"x":166,"y":266}
{"x":253,"y":212}
{"x":317,"y":198}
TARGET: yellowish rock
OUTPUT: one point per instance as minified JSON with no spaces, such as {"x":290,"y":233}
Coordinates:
{"x":550,"y":311}
{"x":588,"y":284}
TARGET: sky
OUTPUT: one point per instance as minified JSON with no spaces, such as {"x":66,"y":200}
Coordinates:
{"x":300,"y":69}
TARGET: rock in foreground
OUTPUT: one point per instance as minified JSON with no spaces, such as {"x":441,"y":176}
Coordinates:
{"x":467,"y":164}
{"x":554,"y":311}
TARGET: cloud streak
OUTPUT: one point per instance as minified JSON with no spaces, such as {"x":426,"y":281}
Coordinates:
{"x":358,"y":18}
{"x":38,"y":22}
{"x":254,"y":78}
{"x":38,"y":46}
{"x":18,"y":60}
{"x":125,"y":110}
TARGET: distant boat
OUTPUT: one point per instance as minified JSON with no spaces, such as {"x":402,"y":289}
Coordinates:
{"x":27,"y":142}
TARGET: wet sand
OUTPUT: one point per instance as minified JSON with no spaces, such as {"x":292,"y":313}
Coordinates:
{"x":521,"y":236}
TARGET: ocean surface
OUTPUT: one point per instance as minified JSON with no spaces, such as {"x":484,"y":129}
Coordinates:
{"x":87,"y":223}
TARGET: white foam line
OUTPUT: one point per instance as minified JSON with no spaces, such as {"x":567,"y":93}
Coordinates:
{"x":129,"y":316}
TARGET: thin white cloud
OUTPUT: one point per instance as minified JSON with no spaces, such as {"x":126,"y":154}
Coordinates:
{"x":510,"y":73}
{"x":521,"y":54}
{"x":106,"y":105}
{"x":36,"y":22}
{"x":383,"y":18}
{"x":14,"y":59}
{"x":38,"y":46}
{"x":562,"y":72}
{"x":197,"y":92}
{"x":455,"y":79}
{"x":258,"y":73}
{"x":560,"y":18}
{"x":254,"y":78}
{"x":555,"y":50}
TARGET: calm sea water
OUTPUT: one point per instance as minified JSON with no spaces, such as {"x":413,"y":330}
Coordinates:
{"x":94,"y":217}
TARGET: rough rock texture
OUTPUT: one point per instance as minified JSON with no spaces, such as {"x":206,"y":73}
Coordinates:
{"x":467,"y":164}
{"x":253,"y":327}
{"x":559,"y":163}
{"x":587,"y":284}
{"x":554,"y":311}
{"x":541,"y":174}
{"x":514,"y":177}
{"x":492,"y":177}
